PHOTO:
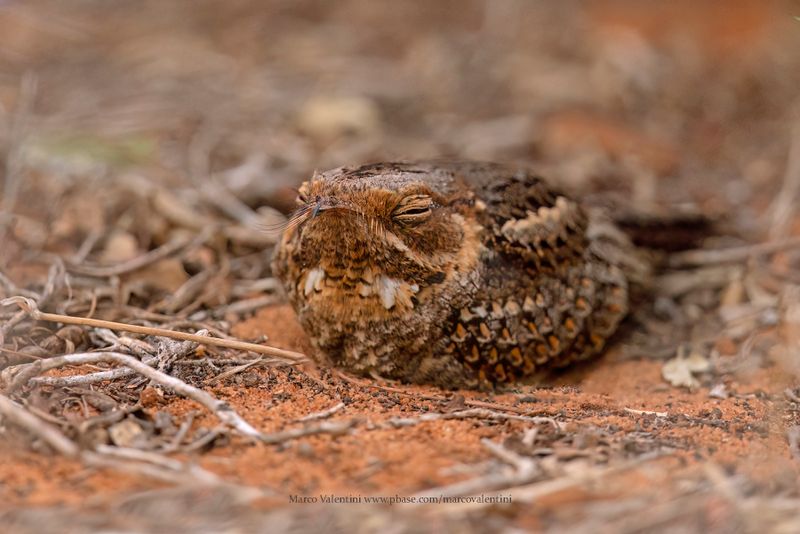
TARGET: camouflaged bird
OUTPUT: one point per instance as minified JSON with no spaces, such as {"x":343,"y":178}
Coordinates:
{"x":454,"y":274}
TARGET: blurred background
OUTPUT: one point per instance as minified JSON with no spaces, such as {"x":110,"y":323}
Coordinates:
{"x":670,"y":102}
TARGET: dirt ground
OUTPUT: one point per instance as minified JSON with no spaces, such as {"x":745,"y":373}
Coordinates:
{"x":151,"y":149}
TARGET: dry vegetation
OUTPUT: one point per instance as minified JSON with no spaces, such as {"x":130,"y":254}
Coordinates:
{"x":152,"y":378}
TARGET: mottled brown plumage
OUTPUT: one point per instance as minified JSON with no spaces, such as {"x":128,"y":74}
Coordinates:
{"x":456,"y":274}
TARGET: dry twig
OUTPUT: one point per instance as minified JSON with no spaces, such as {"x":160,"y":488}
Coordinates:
{"x":785,"y":203}
{"x":15,"y":377}
{"x":694,"y":258}
{"x":18,"y":415}
{"x":31,"y":308}
{"x":335,"y":428}
{"x":139,"y":262}
{"x":477,"y":413}
{"x":524,"y":471}
{"x":444,"y":400}
{"x":324,"y":414}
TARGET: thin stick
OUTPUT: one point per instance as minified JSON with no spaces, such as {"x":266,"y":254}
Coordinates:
{"x":532,"y":492}
{"x":187,"y":474}
{"x":677,"y":283}
{"x":146,"y":463}
{"x":86,"y":247}
{"x":134,"y":264}
{"x":83,"y":380}
{"x":497,"y":407}
{"x":45,"y":431}
{"x":55,"y":279}
{"x":244,"y":306}
{"x":233,"y":371}
{"x":324,"y":414}
{"x":325,"y":427}
{"x":784,"y":205}
{"x":468,"y":402}
{"x":175,"y":444}
{"x":691,"y":258}
{"x":519,"y":462}
{"x":478,"y":413}
{"x":11,"y":324}
{"x":30,"y":307}
{"x":793,"y":437}
{"x":525,"y":471}
{"x":645,"y":412}
{"x":204,"y":440}
{"x":16,"y":376}
{"x":159,"y":460}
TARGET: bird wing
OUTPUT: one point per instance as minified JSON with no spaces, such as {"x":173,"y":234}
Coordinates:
{"x":527,"y":220}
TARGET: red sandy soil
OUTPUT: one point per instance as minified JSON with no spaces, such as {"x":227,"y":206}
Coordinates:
{"x":743,"y":433}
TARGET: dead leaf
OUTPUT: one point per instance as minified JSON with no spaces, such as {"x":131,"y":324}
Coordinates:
{"x":720,"y":391}
{"x":456,"y":403}
{"x":125,"y":433}
{"x":679,"y":371}
{"x":733,"y":294}
{"x":120,"y":247}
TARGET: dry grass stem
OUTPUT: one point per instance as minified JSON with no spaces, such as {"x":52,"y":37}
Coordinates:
{"x":30,"y":307}
{"x":524,"y":471}
{"x":51,"y":435}
{"x":693,"y":258}
{"x":139,"y":262}
{"x":476,"y":413}
{"x":334,"y":428}
{"x":17,"y":376}
{"x":128,"y":460}
{"x":324,"y":414}
{"x":784,"y":206}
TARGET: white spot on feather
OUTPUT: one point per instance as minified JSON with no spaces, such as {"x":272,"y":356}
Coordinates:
{"x":395,"y":292}
{"x":387,"y":291}
{"x":545,"y":219}
{"x":314,"y":280}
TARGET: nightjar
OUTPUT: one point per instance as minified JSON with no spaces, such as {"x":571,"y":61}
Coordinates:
{"x":457,"y":274}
